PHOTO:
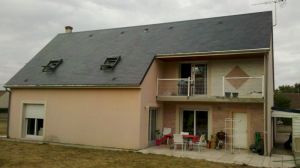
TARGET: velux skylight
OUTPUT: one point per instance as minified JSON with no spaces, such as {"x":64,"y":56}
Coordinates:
{"x":110,"y":63}
{"x":52,"y":65}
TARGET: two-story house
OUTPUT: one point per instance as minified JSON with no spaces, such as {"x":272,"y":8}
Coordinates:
{"x":115,"y":87}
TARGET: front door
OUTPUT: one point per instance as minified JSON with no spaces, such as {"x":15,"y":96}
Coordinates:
{"x":152,"y":125}
{"x":195,"y":122}
{"x":240,"y":130}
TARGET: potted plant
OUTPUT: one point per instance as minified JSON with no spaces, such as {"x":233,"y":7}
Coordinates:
{"x":157,"y":137}
{"x":235,"y":94}
{"x":227,"y":94}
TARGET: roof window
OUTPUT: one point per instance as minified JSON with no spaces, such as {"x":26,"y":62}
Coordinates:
{"x":110,"y":63}
{"x":52,"y":65}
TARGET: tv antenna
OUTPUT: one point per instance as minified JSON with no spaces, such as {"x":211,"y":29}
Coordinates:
{"x":275,"y":2}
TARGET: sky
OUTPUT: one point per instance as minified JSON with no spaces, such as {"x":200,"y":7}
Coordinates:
{"x":27,"y":26}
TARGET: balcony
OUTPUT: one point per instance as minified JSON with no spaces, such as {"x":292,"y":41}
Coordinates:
{"x":226,"y":89}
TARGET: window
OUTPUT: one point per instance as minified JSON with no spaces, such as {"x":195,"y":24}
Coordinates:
{"x":33,"y":120}
{"x":110,"y":63}
{"x":52,"y":65}
{"x":34,"y":126}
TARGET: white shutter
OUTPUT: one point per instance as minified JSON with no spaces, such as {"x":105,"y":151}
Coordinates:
{"x":34,"y":111}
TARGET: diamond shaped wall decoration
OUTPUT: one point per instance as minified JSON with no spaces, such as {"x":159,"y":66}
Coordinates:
{"x":237,"y":72}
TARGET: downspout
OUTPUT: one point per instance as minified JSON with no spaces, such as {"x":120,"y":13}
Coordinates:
{"x":265,"y":104}
{"x":8,"y":113}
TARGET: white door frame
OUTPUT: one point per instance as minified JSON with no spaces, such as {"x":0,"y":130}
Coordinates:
{"x":149,"y":123}
{"x":24,"y":122}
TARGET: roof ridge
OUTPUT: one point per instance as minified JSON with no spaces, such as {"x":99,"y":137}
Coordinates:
{"x":180,"y":21}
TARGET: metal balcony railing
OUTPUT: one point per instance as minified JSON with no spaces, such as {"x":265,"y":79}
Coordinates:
{"x":231,"y":87}
{"x":243,"y":87}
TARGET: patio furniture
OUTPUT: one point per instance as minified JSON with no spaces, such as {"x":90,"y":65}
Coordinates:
{"x":201,"y":142}
{"x":184,"y":133}
{"x":190,"y":139}
{"x":167,"y":134}
{"x":178,"y":140}
{"x":220,"y":139}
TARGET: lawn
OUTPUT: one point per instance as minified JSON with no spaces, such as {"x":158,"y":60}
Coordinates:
{"x":3,"y":125}
{"x":19,"y":154}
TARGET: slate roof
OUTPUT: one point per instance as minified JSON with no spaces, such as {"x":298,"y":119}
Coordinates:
{"x":84,"y":52}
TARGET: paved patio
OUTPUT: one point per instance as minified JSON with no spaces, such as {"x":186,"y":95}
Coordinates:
{"x":242,"y":157}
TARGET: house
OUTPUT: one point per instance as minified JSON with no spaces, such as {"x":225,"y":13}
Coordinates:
{"x":115,"y":87}
{"x":4,"y":98}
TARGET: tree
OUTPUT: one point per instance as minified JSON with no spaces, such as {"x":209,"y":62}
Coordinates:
{"x":281,"y":101}
{"x":289,"y":88}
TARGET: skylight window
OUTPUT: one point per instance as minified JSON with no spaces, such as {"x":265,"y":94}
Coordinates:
{"x":110,"y":63}
{"x":52,"y":65}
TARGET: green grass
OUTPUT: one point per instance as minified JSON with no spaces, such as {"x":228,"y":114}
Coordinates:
{"x":18,"y":154}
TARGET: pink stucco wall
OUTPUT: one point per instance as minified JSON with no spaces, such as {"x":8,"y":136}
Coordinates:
{"x":98,"y":117}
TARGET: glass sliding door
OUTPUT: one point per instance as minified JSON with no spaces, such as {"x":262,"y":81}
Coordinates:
{"x":201,"y":123}
{"x":200,"y":79}
{"x":195,"y":122}
{"x":188,"y":122}
{"x":152,"y":125}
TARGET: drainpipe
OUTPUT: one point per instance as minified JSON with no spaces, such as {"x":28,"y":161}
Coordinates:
{"x":8,"y":115}
{"x":265,"y":104}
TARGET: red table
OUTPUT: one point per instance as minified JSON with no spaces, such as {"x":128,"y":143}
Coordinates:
{"x":194,"y":138}
{"x":164,"y":138}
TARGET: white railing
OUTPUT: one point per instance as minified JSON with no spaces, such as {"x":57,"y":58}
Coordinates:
{"x":243,"y":87}
{"x":231,"y":87}
{"x":174,"y":87}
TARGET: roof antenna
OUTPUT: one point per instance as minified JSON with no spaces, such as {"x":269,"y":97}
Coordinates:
{"x":275,"y":2}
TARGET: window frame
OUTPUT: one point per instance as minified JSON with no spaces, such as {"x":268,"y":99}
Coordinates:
{"x":24,"y":121}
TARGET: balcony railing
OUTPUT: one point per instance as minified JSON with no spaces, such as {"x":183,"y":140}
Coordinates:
{"x":240,"y":87}
{"x":244,"y":87}
{"x":174,"y":87}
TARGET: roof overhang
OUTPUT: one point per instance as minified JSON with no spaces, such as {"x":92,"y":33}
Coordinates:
{"x":71,"y":86}
{"x":214,"y":53}
{"x":284,"y":114}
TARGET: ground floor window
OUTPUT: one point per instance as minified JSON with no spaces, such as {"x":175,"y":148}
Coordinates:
{"x":35,"y":126}
{"x":33,"y":120}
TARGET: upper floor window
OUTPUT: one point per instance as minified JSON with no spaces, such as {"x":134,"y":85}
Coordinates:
{"x":110,"y":63}
{"x":52,"y":65}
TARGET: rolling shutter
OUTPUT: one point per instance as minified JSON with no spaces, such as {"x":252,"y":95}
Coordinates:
{"x":34,"y":111}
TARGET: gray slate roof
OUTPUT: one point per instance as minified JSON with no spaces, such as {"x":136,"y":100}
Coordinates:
{"x":84,"y":52}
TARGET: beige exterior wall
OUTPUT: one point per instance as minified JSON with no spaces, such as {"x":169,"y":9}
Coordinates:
{"x":216,"y":116}
{"x":216,"y":69}
{"x":170,"y":70}
{"x":98,"y":117}
{"x":148,"y":99}
{"x":220,"y":68}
